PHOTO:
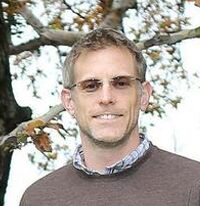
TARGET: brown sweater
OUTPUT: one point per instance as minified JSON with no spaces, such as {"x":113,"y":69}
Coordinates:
{"x":158,"y":179}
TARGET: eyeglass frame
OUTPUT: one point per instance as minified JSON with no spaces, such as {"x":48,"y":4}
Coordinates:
{"x":100,"y":81}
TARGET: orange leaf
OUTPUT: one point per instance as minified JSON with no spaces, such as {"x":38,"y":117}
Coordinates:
{"x":197,"y":3}
{"x":166,"y":23}
{"x":42,"y":142}
{"x":15,"y":7}
{"x":34,"y":124}
{"x":155,"y":55}
{"x":56,"y":23}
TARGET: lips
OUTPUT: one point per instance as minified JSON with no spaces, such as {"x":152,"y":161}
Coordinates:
{"x":107,"y":116}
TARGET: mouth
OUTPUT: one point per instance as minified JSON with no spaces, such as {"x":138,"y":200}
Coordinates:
{"x":107,"y":116}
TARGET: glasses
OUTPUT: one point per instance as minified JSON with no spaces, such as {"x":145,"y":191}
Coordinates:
{"x":118,"y":82}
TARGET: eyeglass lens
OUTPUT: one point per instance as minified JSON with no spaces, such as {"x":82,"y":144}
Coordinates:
{"x":119,"y":82}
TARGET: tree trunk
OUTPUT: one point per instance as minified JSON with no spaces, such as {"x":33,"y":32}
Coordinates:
{"x":11,"y":113}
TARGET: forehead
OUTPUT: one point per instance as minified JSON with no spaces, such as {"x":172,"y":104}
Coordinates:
{"x":106,"y":62}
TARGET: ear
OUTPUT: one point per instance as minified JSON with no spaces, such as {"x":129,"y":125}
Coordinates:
{"x":146,"y":93}
{"x":67,"y":101}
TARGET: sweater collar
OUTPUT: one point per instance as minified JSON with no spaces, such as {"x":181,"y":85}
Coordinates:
{"x":125,"y":163}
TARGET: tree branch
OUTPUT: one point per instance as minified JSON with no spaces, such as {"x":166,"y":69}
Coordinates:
{"x":170,"y":38}
{"x":70,"y":7}
{"x":12,"y":136}
{"x":49,"y":37}
{"x":118,"y":8}
{"x":60,"y":37}
{"x":31,"y":19}
{"x":28,"y":46}
{"x":113,"y":19}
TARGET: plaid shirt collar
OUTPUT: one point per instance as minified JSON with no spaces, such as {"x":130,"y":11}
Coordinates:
{"x":125,"y":163}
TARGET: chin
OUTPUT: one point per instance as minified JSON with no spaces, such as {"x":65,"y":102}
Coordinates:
{"x":108,"y":142}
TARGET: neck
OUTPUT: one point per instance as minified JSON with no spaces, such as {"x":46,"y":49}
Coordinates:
{"x":98,"y":158}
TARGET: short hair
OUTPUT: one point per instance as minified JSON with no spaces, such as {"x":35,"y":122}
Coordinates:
{"x":99,"y":39}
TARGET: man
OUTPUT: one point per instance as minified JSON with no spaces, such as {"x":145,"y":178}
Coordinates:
{"x":105,"y":89}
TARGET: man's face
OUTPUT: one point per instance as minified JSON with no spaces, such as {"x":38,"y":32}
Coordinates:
{"x":108,"y":115}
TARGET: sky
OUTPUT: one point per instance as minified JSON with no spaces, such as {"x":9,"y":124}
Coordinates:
{"x":180,"y":127}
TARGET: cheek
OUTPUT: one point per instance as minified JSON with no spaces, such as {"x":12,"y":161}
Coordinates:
{"x":134,"y":105}
{"x":80,"y":109}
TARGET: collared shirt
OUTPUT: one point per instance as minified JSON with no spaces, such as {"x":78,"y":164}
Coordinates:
{"x":125,"y":163}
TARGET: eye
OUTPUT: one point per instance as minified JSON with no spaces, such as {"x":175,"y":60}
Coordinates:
{"x":90,"y":85}
{"x":121,"y":82}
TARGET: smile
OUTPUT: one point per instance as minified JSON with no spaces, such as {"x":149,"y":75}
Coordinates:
{"x":108,"y":116}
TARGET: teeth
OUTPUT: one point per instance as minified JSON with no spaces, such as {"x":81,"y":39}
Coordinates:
{"x":107,"y":116}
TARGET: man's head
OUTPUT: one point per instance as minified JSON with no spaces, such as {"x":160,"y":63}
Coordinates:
{"x":100,"y":39}
{"x":105,"y":87}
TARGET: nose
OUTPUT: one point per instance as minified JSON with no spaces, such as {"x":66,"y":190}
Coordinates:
{"x":106,"y":95}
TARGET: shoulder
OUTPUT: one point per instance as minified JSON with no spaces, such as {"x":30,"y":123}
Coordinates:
{"x":175,"y":163}
{"x":173,"y":157}
{"x":54,"y":177}
{"x":50,"y":185}
{"x":178,"y":172}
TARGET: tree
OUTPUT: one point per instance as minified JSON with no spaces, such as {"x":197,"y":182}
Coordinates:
{"x":157,"y":27}
{"x":11,"y":113}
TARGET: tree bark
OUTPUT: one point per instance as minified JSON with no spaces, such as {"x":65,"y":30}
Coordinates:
{"x":11,"y":113}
